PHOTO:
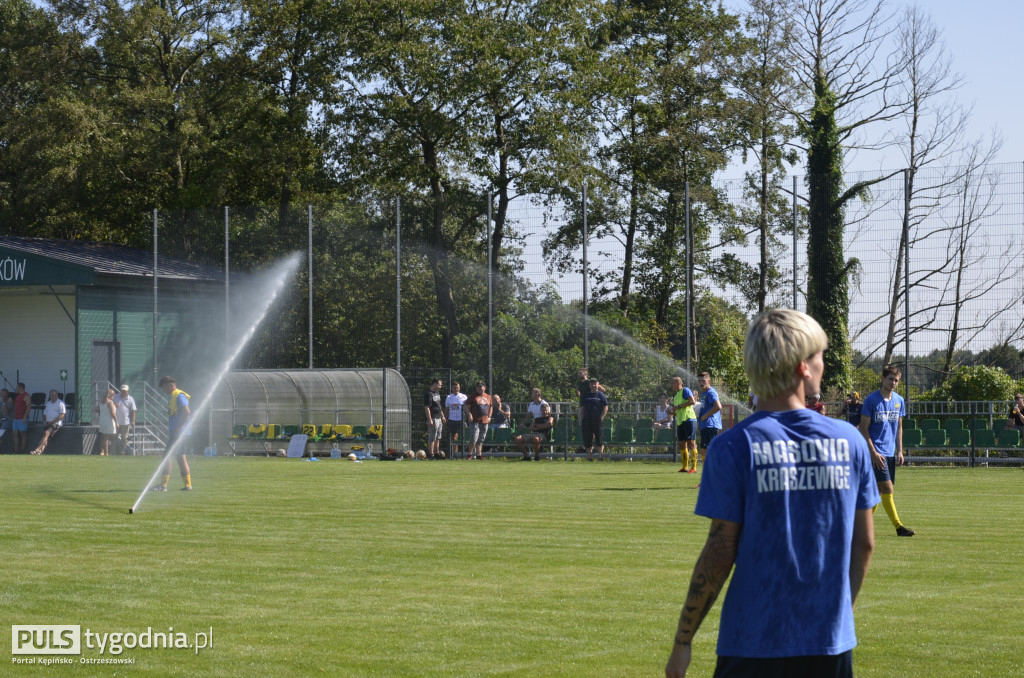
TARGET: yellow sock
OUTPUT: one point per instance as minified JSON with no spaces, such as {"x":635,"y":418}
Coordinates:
{"x":167,"y":479}
{"x":684,"y":454}
{"x":188,"y":480}
{"x":890,"y":507}
{"x":693,"y":460}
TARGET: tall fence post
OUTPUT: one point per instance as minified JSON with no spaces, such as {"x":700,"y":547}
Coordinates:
{"x":309,"y":277}
{"x":689,"y":280}
{"x":906,"y":279}
{"x":490,"y":301}
{"x":156,"y":287}
{"x":794,"y":242}
{"x":398,"y":284}
{"x":227,"y":282}
{"x":586,"y":273}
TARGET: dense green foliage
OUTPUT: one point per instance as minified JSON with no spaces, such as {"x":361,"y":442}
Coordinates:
{"x":462,"y":568}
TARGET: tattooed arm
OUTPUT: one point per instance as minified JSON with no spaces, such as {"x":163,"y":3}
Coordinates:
{"x":709,"y":575}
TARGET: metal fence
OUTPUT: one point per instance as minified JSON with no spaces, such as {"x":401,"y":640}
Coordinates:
{"x":409,"y":283}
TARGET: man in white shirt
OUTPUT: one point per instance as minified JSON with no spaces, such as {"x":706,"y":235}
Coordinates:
{"x":53,"y":413}
{"x":124,"y":407}
{"x":453,"y":403}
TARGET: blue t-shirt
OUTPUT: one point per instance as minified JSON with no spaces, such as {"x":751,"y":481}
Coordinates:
{"x":175,"y":420}
{"x":885,"y":419}
{"x":707,"y":401}
{"x":794,"y":480}
{"x":593,"y":404}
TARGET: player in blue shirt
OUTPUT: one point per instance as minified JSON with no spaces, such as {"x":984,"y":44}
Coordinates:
{"x":710,"y":413}
{"x":881,"y":424}
{"x":789,"y":494}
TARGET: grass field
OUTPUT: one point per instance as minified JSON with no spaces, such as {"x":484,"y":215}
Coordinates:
{"x":464,"y":568}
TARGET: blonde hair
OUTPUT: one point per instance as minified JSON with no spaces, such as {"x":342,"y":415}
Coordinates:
{"x":777,"y":341}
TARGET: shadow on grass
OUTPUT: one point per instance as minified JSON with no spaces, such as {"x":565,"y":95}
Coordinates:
{"x":632,"y":489}
{"x":84,"y":497}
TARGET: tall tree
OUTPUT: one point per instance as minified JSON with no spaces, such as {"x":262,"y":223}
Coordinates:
{"x":848,"y":83}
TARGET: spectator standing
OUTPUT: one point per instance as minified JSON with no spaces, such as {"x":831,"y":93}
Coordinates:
{"x":759,"y":521}
{"x":814,"y":403}
{"x":851,"y":408}
{"x":53,"y":415}
{"x":107,"y":412}
{"x":435,"y":418}
{"x":6,"y":416}
{"x":710,"y":413}
{"x":881,"y":423}
{"x":479,"y":414}
{"x":663,"y":413}
{"x":124,"y":405}
{"x":22,"y":407}
{"x":683,"y":401}
{"x":538,"y":431}
{"x":1015,"y":420}
{"x":454,"y":403}
{"x":593,"y":409}
{"x":179,"y":427}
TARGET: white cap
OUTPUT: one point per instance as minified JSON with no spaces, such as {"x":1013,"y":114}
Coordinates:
{"x":124,"y":387}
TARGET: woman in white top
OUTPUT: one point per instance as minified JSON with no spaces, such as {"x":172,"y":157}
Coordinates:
{"x":107,"y":421}
{"x":662,"y":416}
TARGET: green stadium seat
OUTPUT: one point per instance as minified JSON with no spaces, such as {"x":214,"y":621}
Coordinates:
{"x":979,"y":423}
{"x":623,"y":435}
{"x":560,"y":435}
{"x":359,"y":431}
{"x":503,"y":435}
{"x":644,"y":422}
{"x":929,"y":424}
{"x":954,"y":425}
{"x":960,"y":438}
{"x":275,"y":431}
{"x":239,"y":431}
{"x":911,"y":438}
{"x":909,"y":422}
{"x":935,"y":437}
{"x":984,"y":438}
{"x":644,"y":436}
{"x":1008,"y":437}
{"x":998,"y":425}
{"x":665,"y":436}
{"x":489,"y":438}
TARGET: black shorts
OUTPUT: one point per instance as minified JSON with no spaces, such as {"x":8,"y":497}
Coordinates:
{"x":707,"y":435}
{"x":593,"y":433}
{"x":889,"y":473}
{"x":815,"y":666}
{"x":687,"y":430}
{"x":454,"y":428}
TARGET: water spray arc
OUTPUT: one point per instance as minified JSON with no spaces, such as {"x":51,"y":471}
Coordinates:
{"x":279,"y":276}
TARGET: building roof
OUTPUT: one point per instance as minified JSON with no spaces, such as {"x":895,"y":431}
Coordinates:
{"x":107,"y":258}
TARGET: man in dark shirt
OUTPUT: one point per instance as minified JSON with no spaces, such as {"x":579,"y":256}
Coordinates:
{"x":593,"y":408}
{"x":435,"y":418}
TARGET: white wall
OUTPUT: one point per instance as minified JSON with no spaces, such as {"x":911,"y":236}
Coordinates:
{"x":37,"y":339}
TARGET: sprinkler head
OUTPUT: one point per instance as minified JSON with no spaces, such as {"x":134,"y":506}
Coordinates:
{"x":131,"y":511}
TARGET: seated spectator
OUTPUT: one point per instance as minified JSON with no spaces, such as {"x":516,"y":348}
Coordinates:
{"x":538,"y":431}
{"x":663,"y":414}
{"x":53,"y":413}
{"x":502,"y":415}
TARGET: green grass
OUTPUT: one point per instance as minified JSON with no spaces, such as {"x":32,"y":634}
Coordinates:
{"x":465,"y":569}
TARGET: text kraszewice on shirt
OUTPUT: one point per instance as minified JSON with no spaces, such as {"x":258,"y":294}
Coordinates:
{"x":812,"y":464}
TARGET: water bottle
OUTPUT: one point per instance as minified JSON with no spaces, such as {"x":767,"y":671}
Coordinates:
{"x":215,"y":449}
